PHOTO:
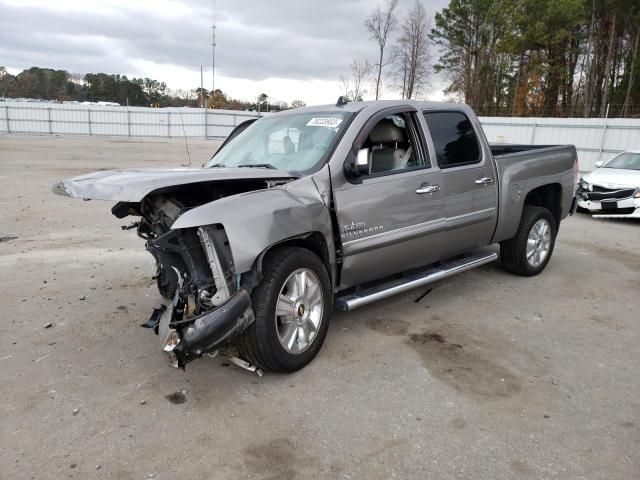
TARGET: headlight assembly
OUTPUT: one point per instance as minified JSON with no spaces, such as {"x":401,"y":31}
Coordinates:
{"x":584,"y":185}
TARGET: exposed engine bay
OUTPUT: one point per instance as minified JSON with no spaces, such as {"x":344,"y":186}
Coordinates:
{"x":194,"y":269}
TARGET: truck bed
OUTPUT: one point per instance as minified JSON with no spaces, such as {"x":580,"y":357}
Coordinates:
{"x":523,"y":168}
{"x":499,"y":149}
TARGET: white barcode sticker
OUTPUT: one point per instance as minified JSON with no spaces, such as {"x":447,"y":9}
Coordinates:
{"x":324,"y":122}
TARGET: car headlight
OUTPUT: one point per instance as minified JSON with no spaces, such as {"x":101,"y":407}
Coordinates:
{"x":637,"y":194}
{"x":584,"y":185}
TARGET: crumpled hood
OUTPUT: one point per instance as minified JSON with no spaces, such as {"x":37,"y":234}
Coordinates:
{"x":613,"y":177}
{"x":132,"y":185}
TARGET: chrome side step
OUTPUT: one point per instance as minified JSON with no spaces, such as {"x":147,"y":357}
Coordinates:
{"x":359,"y":298}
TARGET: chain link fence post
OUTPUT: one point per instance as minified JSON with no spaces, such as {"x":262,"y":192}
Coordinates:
{"x":533,"y":134}
{"x":6,"y":116}
{"x":206,"y":123}
{"x":604,"y":134}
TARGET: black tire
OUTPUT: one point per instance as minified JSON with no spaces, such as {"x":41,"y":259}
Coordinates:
{"x":259,"y":343}
{"x":513,"y":252}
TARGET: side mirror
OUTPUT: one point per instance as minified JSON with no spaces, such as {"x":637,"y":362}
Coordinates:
{"x":362,"y":162}
{"x":599,"y":163}
{"x":357,"y":165}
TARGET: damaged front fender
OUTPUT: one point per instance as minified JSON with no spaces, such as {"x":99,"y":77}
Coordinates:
{"x":254,"y":221}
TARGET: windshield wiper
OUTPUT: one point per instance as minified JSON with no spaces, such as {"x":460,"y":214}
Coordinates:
{"x":217,"y":165}
{"x":258,"y":165}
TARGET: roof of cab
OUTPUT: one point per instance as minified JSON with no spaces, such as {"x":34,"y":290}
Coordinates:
{"x":378,"y":105}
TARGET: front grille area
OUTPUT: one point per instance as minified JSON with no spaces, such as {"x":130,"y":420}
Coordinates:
{"x":598,"y":188}
{"x":615,"y":211}
{"x":605,"y":194}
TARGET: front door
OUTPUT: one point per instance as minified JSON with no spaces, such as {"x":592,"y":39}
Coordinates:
{"x":393,"y":219}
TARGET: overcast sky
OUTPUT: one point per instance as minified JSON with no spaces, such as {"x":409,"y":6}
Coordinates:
{"x":289,"y":49}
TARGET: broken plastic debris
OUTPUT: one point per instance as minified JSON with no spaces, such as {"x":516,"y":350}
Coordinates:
{"x":246,"y":365}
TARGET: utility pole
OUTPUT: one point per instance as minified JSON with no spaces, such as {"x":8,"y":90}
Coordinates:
{"x":202,"y":86}
{"x":213,"y":52}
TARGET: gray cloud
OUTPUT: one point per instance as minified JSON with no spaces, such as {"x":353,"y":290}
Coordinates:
{"x":291,"y":39}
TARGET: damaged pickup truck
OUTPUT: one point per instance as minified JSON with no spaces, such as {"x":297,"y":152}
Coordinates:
{"x":312,"y":209}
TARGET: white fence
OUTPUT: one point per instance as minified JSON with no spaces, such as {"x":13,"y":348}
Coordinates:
{"x":595,"y":138}
{"x":83,"y":119}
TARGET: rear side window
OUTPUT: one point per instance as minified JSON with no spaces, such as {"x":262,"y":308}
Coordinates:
{"x":454,"y":139}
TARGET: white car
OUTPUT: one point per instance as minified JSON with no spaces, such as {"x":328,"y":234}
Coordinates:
{"x":613,"y":189}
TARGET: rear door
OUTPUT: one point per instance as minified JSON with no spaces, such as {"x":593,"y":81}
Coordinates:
{"x":469,"y":180}
{"x":391,"y":219}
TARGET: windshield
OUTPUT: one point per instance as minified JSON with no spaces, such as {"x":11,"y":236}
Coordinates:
{"x":625,"y":161}
{"x":294,"y":142}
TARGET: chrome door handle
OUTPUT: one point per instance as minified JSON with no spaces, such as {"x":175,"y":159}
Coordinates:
{"x":484,"y":181}
{"x":424,"y":188}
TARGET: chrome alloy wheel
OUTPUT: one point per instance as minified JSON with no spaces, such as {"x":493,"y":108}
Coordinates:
{"x":299,"y":311}
{"x":539,"y":242}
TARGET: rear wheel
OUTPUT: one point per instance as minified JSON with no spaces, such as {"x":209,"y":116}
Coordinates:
{"x":292,"y":306}
{"x":529,"y":251}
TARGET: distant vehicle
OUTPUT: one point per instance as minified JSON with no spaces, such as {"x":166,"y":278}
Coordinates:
{"x":613,"y":189}
{"x":103,"y":104}
{"x":338,"y":205}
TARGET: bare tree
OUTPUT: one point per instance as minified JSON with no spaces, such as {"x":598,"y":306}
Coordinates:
{"x":354,"y":87}
{"x":345,"y":85}
{"x":625,"y":106}
{"x":77,"y":78}
{"x":379,"y":24}
{"x":607,"y":68}
{"x":411,"y":54}
{"x":360,"y":73}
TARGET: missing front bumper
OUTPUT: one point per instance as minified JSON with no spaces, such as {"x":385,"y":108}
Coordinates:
{"x":207,"y":331}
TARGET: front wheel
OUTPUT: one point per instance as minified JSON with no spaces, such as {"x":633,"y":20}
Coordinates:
{"x":529,"y":251}
{"x":292,"y":306}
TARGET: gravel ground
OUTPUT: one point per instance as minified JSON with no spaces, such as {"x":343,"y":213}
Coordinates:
{"x":489,"y":376}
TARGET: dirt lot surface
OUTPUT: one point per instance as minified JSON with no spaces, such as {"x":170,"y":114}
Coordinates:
{"x":488,"y":376}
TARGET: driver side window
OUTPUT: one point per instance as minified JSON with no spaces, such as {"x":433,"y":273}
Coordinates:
{"x":392,"y":145}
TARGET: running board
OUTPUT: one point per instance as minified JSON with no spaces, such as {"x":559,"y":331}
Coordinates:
{"x":432,"y":274}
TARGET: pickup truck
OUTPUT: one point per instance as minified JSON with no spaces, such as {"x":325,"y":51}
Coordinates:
{"x":325,"y":207}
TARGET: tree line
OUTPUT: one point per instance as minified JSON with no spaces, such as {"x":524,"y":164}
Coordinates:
{"x":572,"y":58}
{"x":60,"y":85}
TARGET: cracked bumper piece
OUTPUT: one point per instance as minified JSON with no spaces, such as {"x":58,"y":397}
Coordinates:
{"x":208,"y":331}
{"x":611,"y":207}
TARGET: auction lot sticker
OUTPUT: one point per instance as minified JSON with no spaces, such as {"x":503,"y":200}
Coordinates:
{"x":324,"y":122}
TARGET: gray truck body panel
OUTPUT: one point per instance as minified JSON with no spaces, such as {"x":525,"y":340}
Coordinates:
{"x":268,"y":217}
{"x":132,"y":185}
{"x":522,"y":172}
